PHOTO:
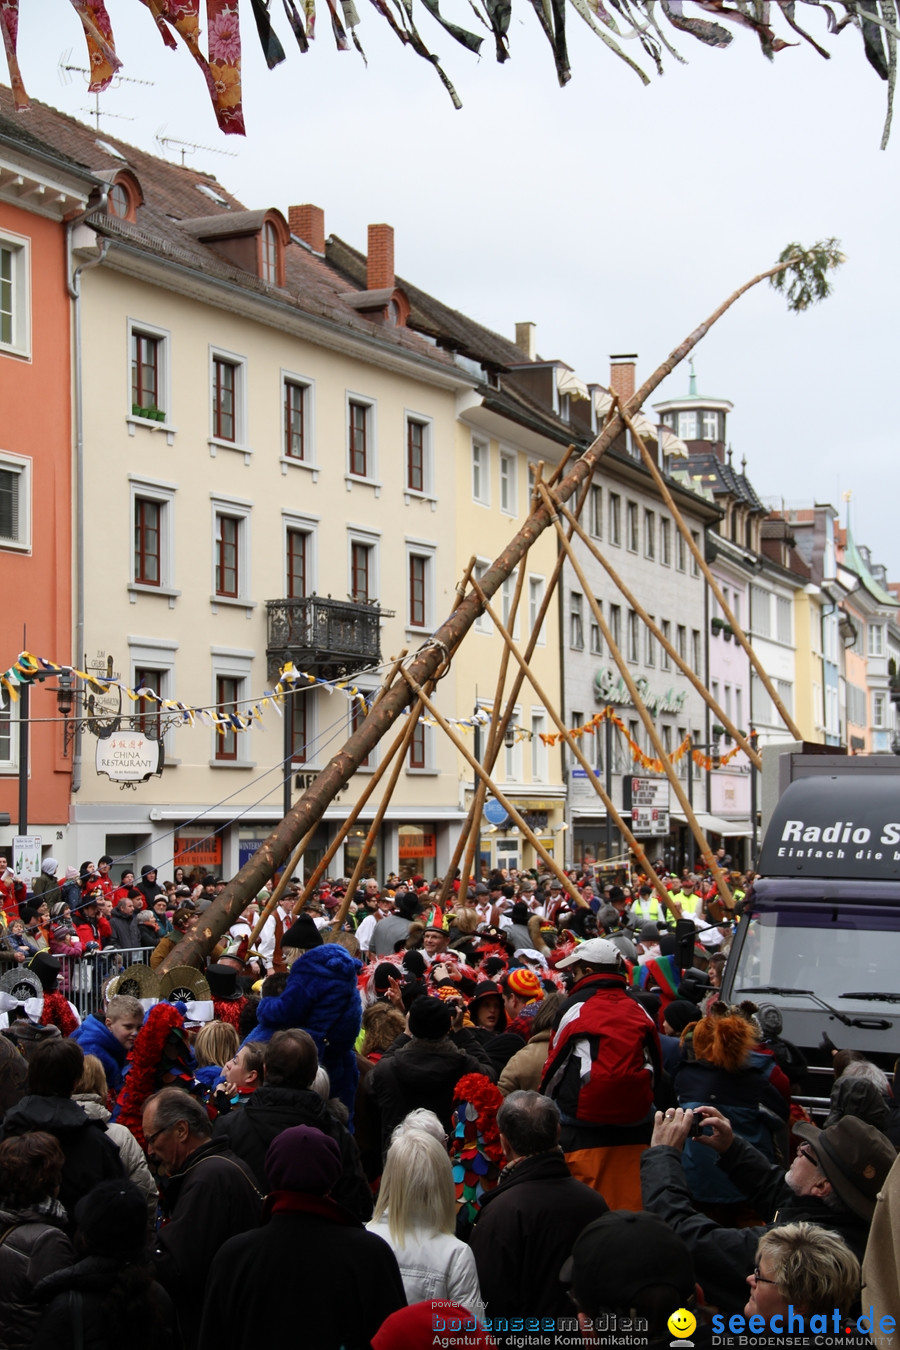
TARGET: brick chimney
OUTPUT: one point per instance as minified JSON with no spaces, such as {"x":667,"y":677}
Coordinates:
{"x":380,"y":258}
{"x":308,"y":223}
{"x":621,"y":375}
{"x":526,"y":339}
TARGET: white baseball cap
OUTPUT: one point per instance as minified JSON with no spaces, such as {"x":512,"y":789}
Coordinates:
{"x":594,"y":952}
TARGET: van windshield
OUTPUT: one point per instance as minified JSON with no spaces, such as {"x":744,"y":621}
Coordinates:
{"x":809,"y":950}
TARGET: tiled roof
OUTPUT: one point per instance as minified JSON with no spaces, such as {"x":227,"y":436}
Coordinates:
{"x":174,"y":212}
{"x":720,"y":477}
{"x":446,"y":326}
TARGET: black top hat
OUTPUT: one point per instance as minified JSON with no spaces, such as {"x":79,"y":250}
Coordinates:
{"x":302,"y":933}
{"x":46,"y":968}
{"x":222,"y":981}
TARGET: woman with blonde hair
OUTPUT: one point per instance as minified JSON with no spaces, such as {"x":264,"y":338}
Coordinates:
{"x":216,"y":1044}
{"x":416,"y":1214}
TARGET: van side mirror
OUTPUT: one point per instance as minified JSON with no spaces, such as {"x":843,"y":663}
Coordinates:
{"x":685,"y":937}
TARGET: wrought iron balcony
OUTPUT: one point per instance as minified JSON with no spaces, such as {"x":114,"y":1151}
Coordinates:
{"x":316,"y":631}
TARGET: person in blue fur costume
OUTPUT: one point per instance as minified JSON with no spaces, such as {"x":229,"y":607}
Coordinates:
{"x":321,"y":996}
{"x":111,"y":1036}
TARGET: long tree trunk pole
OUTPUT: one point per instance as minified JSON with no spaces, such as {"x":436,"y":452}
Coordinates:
{"x":549,"y":591}
{"x":504,"y":801}
{"x":753,"y":755}
{"x":640,"y":707}
{"x":494,"y":742}
{"x":309,"y":808}
{"x":714,"y":585}
{"x":578,"y":754}
{"x":278,"y":892}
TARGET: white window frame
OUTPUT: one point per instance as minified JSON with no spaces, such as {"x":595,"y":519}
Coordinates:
{"x":695,"y":566}
{"x":680,"y":552}
{"x":153,"y":489}
{"x":539,"y":757}
{"x":481,"y":471}
{"x":164,"y":379}
{"x":595,"y":511}
{"x":21,"y":467}
{"x":19,"y":246}
{"x":303,"y":524}
{"x":425,"y":549}
{"x":232,"y":663}
{"x":879,"y":709}
{"x":157,"y":654}
{"x":614,"y":509}
{"x":310,"y":461}
{"x":483,"y":623}
{"x":359,"y":534}
{"x":367,"y":689}
{"x":427,"y":493}
{"x":370,"y":479}
{"x":875,"y":639}
{"x":710,"y":421}
{"x":665,"y":660}
{"x":576,"y":621}
{"x":10,"y":715}
{"x":633,"y":638}
{"x":239,"y":509}
{"x":217,"y":443}
{"x":537,"y":586}
{"x":308,"y":765}
{"x":632,"y":537}
{"x":507,"y":595}
{"x":649,"y":534}
{"x":665,"y":541}
{"x":509,"y":482}
{"x":512,"y":754}
{"x":430,"y":768}
{"x":687,"y":426}
{"x":649,"y":646}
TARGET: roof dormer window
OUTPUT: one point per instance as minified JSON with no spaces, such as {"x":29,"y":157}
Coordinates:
{"x":124,"y":194}
{"x":119,"y":201}
{"x":270,"y":254}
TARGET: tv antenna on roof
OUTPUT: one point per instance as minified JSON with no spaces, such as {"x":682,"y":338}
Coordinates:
{"x":67,"y":70}
{"x":188,"y":147}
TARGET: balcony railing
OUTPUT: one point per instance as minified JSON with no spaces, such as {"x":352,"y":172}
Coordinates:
{"x":318,"y":631}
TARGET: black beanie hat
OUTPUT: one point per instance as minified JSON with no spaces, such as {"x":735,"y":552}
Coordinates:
{"x":680,"y":1014}
{"x":429,"y":1019}
{"x":112,"y":1220}
{"x":302,"y":933}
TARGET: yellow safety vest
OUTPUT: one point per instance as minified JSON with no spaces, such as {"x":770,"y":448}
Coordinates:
{"x":652,"y":907}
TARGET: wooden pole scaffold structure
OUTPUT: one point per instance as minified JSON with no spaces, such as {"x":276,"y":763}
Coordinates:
{"x":801,"y":274}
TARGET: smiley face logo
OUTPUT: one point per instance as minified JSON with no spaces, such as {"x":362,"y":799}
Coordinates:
{"x":682,"y":1323}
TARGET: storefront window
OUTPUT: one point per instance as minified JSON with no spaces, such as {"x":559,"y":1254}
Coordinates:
{"x":353,"y":846}
{"x":416,"y":850}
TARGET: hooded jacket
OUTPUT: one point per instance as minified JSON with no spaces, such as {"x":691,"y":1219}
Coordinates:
{"x":322,"y":997}
{"x":130,"y":1151}
{"x":89,"y":1282}
{"x":36,"y":1246}
{"x":271,"y":1109}
{"x":91,"y":1156}
{"x":95,"y":1038}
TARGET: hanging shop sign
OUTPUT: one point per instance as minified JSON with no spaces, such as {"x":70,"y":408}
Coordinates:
{"x":648,"y":801}
{"x":609,"y":688}
{"x":129,"y":756}
{"x":198,"y":851}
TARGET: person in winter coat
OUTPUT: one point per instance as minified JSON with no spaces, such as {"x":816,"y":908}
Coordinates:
{"x":488,"y":1016}
{"x":33,"y":1243}
{"x":148,"y":886}
{"x":424,"y":1071}
{"x":208,"y":1195}
{"x":286,"y":1099}
{"x":91,"y":928}
{"x":124,"y":925}
{"x":321,"y":997}
{"x":527,"y":1225}
{"x":91,"y":1094}
{"x":347,"y":1279}
{"x":183,"y":921}
{"x":111,"y":1037}
{"x":111,"y":1287}
{"x":606,"y":1103}
{"x":722,"y":1066}
{"x":90,"y":1157}
{"x":524,"y":1071}
{"x":416,"y":1214}
{"x":833,"y":1181}
{"x":46,"y":881}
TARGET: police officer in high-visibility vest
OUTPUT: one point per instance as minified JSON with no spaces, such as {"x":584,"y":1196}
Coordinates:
{"x":647,"y":907}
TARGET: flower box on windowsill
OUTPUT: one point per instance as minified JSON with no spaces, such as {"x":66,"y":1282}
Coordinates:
{"x":154,"y":419}
{"x":717,"y":625}
{"x":727,"y":632}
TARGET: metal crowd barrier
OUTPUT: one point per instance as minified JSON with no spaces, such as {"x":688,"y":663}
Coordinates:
{"x":83,"y":977}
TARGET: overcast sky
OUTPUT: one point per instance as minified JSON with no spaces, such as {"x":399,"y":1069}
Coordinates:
{"x":614,"y":216}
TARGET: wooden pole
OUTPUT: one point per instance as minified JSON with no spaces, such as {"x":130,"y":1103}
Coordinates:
{"x":504,"y":801}
{"x":714,"y":585}
{"x":743,"y":742}
{"x":311,"y":805}
{"x":281,"y":887}
{"x":576,"y":751}
{"x":640,"y":707}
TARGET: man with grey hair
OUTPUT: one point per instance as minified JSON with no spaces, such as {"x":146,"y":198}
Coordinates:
{"x":207,"y":1192}
{"x":527,"y":1226}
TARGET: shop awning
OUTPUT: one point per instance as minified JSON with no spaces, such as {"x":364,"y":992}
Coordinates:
{"x":708,"y":824}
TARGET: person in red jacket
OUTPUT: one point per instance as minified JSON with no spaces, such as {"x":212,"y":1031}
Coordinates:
{"x":602,"y":1069}
{"x":90,"y":925}
{"x":12,"y":891}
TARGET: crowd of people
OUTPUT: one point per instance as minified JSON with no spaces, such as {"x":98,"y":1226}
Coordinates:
{"x":518,"y":1115}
